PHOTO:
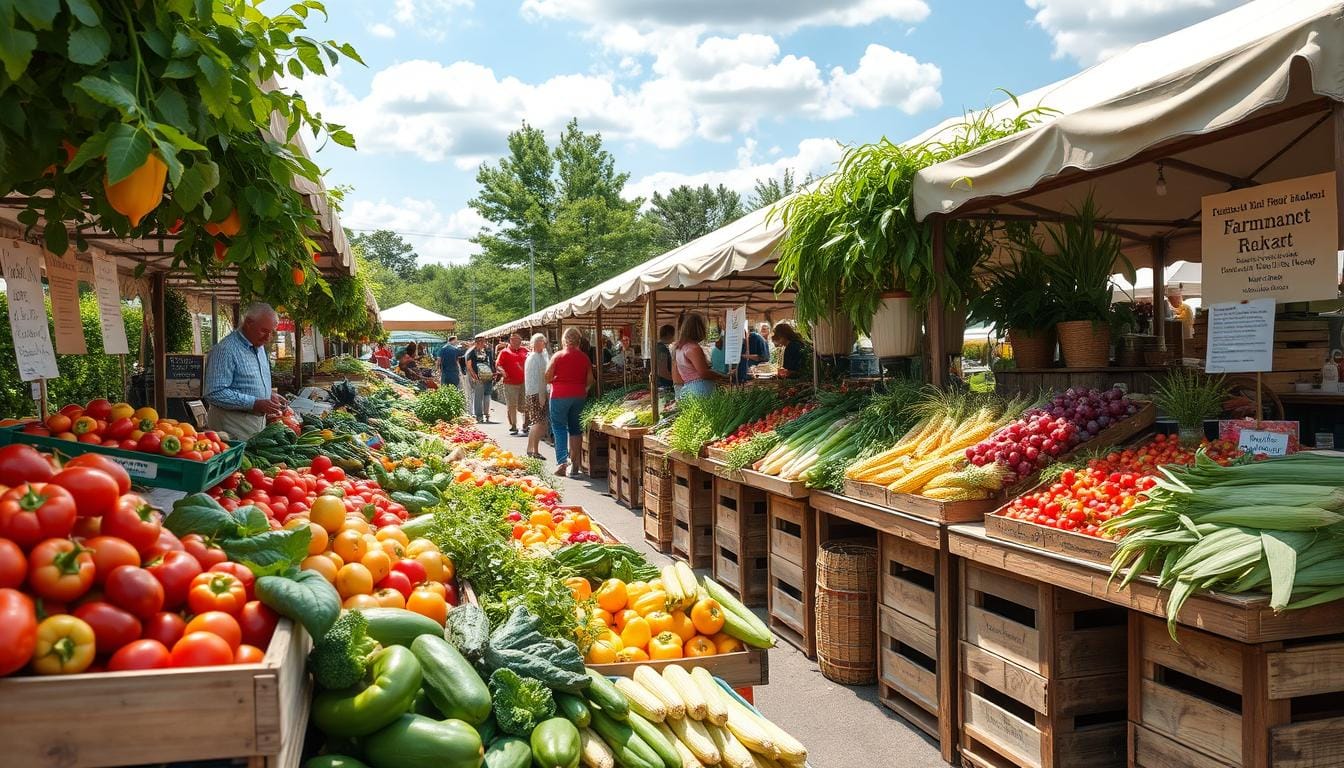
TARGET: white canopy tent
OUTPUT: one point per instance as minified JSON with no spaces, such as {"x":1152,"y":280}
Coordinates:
{"x":1183,"y":273}
{"x":411,"y":317}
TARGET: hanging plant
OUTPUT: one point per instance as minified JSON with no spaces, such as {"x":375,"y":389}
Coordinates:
{"x":155,"y":118}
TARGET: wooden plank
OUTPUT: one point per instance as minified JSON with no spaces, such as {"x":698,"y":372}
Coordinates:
{"x":1075,"y":545}
{"x":1202,"y":656}
{"x":1153,"y":750}
{"x":908,"y":597}
{"x":908,"y":630}
{"x":1005,"y":677}
{"x":911,"y":555}
{"x":1090,"y":695}
{"x":879,"y":518}
{"x":909,"y":679}
{"x":1003,"y":636}
{"x":1311,"y":744}
{"x":1095,"y":746}
{"x":1002,"y":730}
{"x":1092,"y":651}
{"x":1200,"y":724}
{"x":793,"y":489}
{"x":947,"y":584}
{"x":1306,"y":670}
{"x":1001,"y":585}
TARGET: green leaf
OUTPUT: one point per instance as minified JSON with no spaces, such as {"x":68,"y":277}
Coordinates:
{"x":56,"y":238}
{"x":109,"y":93}
{"x":214,"y":84}
{"x":295,"y":68}
{"x":168,"y":153}
{"x":178,"y":138}
{"x":251,"y":521}
{"x":344,"y":138}
{"x":179,"y":69}
{"x":127,"y":149}
{"x":270,"y":553}
{"x":38,"y":13}
{"x":16,"y":49}
{"x":171,"y":108}
{"x":198,"y":513}
{"x":312,"y":58}
{"x":157,"y":43}
{"x":183,"y":45}
{"x":89,"y":45}
{"x":306,"y":597}
{"x":349,"y":50}
{"x":86,"y":13}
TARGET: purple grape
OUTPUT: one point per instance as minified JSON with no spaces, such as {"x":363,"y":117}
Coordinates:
{"x":1093,"y":426}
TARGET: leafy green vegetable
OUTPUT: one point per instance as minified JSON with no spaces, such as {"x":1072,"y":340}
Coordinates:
{"x":520,"y":703}
{"x":244,"y":534}
{"x":443,"y":404}
{"x":305,"y":597}
{"x":270,"y":553}
{"x":606,"y":561}
{"x":340,"y":658}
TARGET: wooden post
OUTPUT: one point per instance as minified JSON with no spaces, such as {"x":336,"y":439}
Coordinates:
{"x":597,"y":349}
{"x":1339,"y":168}
{"x":652,"y":320}
{"x":1159,"y":249}
{"x":298,"y":355}
{"x":214,"y":320}
{"x":157,"y":290}
{"x":937,"y":343}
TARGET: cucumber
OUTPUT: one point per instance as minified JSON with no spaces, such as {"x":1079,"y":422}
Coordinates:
{"x":413,"y":741}
{"x":555,"y":744}
{"x":654,"y":738}
{"x":398,"y":626}
{"x":739,"y":621}
{"x":418,"y":527}
{"x":508,"y":752}
{"x":573,"y":708}
{"x":630,"y":750}
{"x":605,"y":695}
{"x":454,"y":687}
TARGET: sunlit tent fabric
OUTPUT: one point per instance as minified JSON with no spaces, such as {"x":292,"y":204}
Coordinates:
{"x":411,"y":317}
{"x":1263,"y":55}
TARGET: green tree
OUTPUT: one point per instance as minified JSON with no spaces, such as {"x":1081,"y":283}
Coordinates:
{"x":686,"y":212}
{"x":772,"y":190}
{"x":388,"y":249}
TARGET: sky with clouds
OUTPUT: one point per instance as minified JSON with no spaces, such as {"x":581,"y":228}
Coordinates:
{"x":683,"y":91}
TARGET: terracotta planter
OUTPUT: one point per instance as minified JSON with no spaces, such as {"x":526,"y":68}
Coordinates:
{"x":1084,"y":344}
{"x":1032,"y":350}
{"x":833,"y":336}
{"x":896,"y":326}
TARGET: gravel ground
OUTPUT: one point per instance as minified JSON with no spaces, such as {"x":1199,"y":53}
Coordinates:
{"x":842,"y":726}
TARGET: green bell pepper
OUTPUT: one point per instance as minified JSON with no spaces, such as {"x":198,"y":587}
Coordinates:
{"x":387,"y":692}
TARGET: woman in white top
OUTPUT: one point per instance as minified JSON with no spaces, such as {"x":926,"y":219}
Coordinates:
{"x":534,"y":392}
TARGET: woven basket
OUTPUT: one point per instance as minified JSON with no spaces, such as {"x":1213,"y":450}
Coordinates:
{"x":846,"y":610}
{"x":1032,"y":350}
{"x":1083,"y":344}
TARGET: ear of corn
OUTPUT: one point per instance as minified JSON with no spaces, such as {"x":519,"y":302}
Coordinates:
{"x":692,"y":733}
{"x":593,"y":751}
{"x":688,"y":758}
{"x":687,"y":690}
{"x":641,"y":700}
{"x":654,"y":683}
{"x":716,"y":711}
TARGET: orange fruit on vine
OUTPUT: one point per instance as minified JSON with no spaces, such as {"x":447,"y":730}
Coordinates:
{"x":299,"y":275}
{"x":139,"y":193}
{"x":221,"y":251}
{"x":230,"y":226}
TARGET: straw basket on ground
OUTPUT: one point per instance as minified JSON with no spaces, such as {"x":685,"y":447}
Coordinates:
{"x":846,"y":609}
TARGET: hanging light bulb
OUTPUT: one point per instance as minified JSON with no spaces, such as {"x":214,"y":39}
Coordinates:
{"x":1161,"y":187}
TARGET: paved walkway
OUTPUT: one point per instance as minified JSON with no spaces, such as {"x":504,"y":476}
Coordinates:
{"x":842,"y":726}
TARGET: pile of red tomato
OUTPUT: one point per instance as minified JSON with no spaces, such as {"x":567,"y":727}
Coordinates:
{"x":747,"y":431}
{"x":290,"y":493}
{"x":91,"y":581}
{"x":1082,"y":499}
{"x":122,"y":426}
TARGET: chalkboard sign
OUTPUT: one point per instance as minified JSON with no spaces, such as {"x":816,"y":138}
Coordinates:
{"x":184,"y":375}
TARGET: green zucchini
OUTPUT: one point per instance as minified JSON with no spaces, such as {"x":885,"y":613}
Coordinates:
{"x":555,"y":744}
{"x":630,"y":750}
{"x":508,"y":752}
{"x":334,"y":761}
{"x":573,"y":708}
{"x":605,"y":695}
{"x":413,"y":741}
{"x":454,"y":687}
{"x":418,"y":527}
{"x":652,"y":737}
{"x":398,"y":626}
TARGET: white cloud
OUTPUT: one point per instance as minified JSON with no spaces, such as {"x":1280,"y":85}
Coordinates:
{"x":435,"y":234}
{"x":782,"y":15}
{"x":1093,"y":30}
{"x":712,"y":89}
{"x":383,"y":31}
{"x":814,"y":156}
{"x":428,"y":17}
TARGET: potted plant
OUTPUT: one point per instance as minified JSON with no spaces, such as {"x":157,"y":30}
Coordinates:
{"x":1085,"y":256}
{"x":1189,"y":397}
{"x":1015,"y":298}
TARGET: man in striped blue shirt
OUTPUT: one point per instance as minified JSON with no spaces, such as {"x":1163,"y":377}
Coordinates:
{"x":238,"y":376}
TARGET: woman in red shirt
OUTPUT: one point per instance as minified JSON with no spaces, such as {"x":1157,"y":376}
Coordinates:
{"x":570,"y":374}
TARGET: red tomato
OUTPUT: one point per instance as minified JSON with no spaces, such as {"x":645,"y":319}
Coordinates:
{"x":91,"y":438}
{"x":23,"y":464}
{"x":120,"y":429}
{"x":413,"y":570}
{"x":175,"y":571}
{"x":32,"y":512}
{"x":213,"y":591}
{"x":133,"y":519}
{"x":217,"y":623}
{"x":165,"y":627}
{"x":248,"y":654}
{"x":112,"y":626}
{"x":136,"y":590}
{"x":320,"y":463}
{"x":240,"y":572}
{"x":257,"y":622}
{"x":450,"y":592}
{"x":334,"y":474}
{"x":190,"y":455}
{"x":60,"y":569}
{"x":99,"y":461}
{"x":384,"y":519}
{"x":18,"y":630}
{"x":207,"y":554}
{"x":110,"y":552}
{"x":73,"y":411}
{"x":129,"y":445}
{"x":13,"y":565}
{"x":167,"y":542}
{"x":140,"y":654}
{"x":255,"y":477}
{"x":95,"y":491}
{"x":201,"y":649}
{"x":398,"y":581}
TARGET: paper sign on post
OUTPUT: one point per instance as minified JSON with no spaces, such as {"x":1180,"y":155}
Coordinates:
{"x":63,"y":283}
{"x":1241,"y":337}
{"x":1260,"y":442}
{"x":1272,"y":241}
{"x":108,"y":290}
{"x":22,"y":264}
{"x":734,"y":329}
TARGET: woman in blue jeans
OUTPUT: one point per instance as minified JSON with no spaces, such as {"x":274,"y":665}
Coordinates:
{"x":570,"y":374}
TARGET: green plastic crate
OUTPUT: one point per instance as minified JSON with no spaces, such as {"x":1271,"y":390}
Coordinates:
{"x":144,"y":468}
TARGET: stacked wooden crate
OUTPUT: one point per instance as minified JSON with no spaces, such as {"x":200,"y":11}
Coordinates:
{"x":791,"y":595}
{"x":658,"y":521}
{"x":740,"y":551}
{"x":631,"y":472}
{"x":908,"y":661}
{"x":593,"y":455}
{"x":692,"y":514}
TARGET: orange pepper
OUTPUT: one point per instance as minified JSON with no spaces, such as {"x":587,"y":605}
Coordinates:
{"x":665,"y":645}
{"x":650,"y":602}
{"x":611,"y":595}
{"x":699,"y":646}
{"x":682,"y":625}
{"x":726,"y":643}
{"x":707,"y":616}
{"x":579,"y":587}
{"x":636,"y":633}
{"x":659,"y":622}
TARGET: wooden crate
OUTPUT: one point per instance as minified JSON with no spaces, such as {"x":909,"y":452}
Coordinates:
{"x":693,"y":540}
{"x":1210,"y":701}
{"x":593,"y":460}
{"x":791,"y":597}
{"x":1079,"y":546}
{"x":1042,"y":674}
{"x":613,"y":467}
{"x":631,"y":473}
{"x":740,"y":553}
{"x":658,"y":506}
{"x":692,"y":488}
{"x":692,"y":514}
{"x":908,"y":658}
{"x":257,"y":712}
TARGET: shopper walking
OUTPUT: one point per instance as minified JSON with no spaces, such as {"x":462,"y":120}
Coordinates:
{"x":510,"y":361}
{"x":534,"y":392}
{"x":481,"y":370}
{"x":450,"y":363}
{"x":691,"y":372}
{"x":570,"y":374}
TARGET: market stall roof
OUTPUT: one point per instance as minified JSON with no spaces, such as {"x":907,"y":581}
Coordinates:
{"x":1241,"y":99}
{"x":411,"y":317}
{"x":1187,"y":275}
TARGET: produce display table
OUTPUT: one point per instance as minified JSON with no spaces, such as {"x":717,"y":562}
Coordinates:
{"x":258,"y":712}
{"x":1240,"y":686}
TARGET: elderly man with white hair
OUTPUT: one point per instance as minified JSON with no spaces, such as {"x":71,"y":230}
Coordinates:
{"x":238,"y":376}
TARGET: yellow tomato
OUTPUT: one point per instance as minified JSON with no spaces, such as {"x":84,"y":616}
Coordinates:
{"x":636,"y":633}
{"x":350,"y":545}
{"x":322,"y":564}
{"x":388,"y":597}
{"x":427,"y":602}
{"x":378,"y":563}
{"x":659,"y":622}
{"x":415,"y":546}
{"x":354,"y":579}
{"x":601,"y":652}
{"x":628,"y":654}
{"x":726,"y":643}
{"x":579,"y":587}
{"x":707,"y":616}
{"x":682,"y":625}
{"x":147,"y":414}
{"x":361,"y":602}
{"x":611,"y":595}
{"x":356,"y":523}
{"x":395,"y":533}
{"x":665,"y":645}
{"x":433,"y":563}
{"x":635,"y":590}
{"x":328,"y":512}
{"x":121,"y":411}
{"x":698,"y":646}
{"x":623,"y":617}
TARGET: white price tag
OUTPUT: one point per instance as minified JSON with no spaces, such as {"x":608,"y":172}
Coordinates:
{"x":1261,"y":442}
{"x":137,"y":467}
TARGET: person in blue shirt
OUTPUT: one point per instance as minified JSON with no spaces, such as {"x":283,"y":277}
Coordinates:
{"x":237,"y":384}
{"x":450,"y":365}
{"x":754,"y":352}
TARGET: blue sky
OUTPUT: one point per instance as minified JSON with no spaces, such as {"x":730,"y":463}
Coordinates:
{"x":683,"y":91}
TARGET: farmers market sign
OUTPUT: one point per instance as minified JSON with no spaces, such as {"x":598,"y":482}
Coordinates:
{"x":1275,"y":241}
